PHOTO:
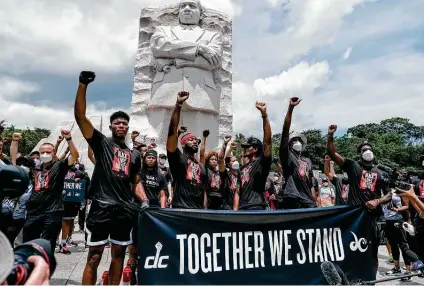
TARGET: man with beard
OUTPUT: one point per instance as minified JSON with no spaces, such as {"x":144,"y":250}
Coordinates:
{"x":114,"y":183}
{"x":46,"y":208}
{"x":255,"y":172}
{"x":230,"y":177}
{"x":366,"y":184}
{"x":299,"y":191}
{"x":190,"y":176}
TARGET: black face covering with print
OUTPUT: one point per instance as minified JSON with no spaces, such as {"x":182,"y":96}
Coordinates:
{"x":116,"y":166}
{"x":230,"y":183}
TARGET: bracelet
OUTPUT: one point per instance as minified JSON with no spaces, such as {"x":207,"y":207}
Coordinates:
{"x":265,"y":116}
{"x":69,"y":139}
{"x":330,"y":136}
{"x":179,"y":104}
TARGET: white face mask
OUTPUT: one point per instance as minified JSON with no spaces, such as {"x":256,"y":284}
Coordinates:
{"x":162,"y":162}
{"x":276,"y":179}
{"x":77,"y":166}
{"x":297,"y":146}
{"x":235,"y":165}
{"x":45,"y":158}
{"x":422,"y":163}
{"x":37,"y":162}
{"x":25,"y":168}
{"x":368,"y":156}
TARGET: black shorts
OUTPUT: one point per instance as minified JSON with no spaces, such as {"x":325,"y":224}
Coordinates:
{"x":107,"y":222}
{"x":375,"y":237}
{"x":71,"y":210}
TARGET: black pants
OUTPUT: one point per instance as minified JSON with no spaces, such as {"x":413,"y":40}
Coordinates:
{"x":46,"y":226}
{"x":396,"y":237}
{"x":81,"y":217}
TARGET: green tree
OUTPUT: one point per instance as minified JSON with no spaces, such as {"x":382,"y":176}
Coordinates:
{"x":30,"y":138}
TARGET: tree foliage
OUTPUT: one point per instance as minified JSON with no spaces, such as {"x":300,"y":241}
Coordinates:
{"x":30,"y":138}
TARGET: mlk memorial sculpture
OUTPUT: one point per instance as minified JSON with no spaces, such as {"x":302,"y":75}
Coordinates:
{"x":183,"y":47}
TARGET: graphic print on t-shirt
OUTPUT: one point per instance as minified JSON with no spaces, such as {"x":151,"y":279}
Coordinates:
{"x":233,"y":182}
{"x":245,"y":175}
{"x":215,"y":181}
{"x":421,"y":187}
{"x":121,"y":162}
{"x":193,"y":172}
{"x":368,"y":181}
{"x":41,"y":181}
{"x":151,"y":181}
{"x":303,"y":169}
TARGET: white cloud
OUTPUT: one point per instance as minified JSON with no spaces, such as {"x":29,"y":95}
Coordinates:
{"x":59,"y":36}
{"x":301,"y":81}
{"x":346,"y":54}
{"x":13,"y":88}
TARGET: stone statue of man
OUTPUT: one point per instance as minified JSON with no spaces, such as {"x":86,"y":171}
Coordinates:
{"x":185,"y":57}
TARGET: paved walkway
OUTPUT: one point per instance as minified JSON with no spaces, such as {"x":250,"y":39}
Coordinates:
{"x":70,"y":267}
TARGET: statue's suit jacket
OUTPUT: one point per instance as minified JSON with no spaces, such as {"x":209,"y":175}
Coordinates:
{"x":180,"y":68}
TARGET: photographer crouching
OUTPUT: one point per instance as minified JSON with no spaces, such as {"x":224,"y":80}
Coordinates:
{"x":31,"y":263}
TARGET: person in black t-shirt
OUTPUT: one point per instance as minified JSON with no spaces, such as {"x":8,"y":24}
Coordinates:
{"x":229,"y":171}
{"x":337,"y":183}
{"x":115,"y":183}
{"x":214,"y":184}
{"x":366,"y":184}
{"x":167,"y":173}
{"x":418,"y":219}
{"x":190,"y":176}
{"x":299,"y":191}
{"x":45,"y":208}
{"x":255,"y":171}
{"x":153,"y":180}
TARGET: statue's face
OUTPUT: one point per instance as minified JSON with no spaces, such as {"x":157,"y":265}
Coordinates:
{"x":189,"y":12}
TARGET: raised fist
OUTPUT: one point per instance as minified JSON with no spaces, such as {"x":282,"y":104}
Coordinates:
{"x":87,"y":77}
{"x":134,"y":134}
{"x":182,"y":129}
{"x":332,"y":129}
{"x":327,"y":158}
{"x":182,"y":97}
{"x":227,"y":139}
{"x":294,"y":101}
{"x":65,"y":133}
{"x":206,"y":133}
{"x":233,"y":145}
{"x":209,"y":54}
{"x":261,"y":106}
{"x":17,"y":136}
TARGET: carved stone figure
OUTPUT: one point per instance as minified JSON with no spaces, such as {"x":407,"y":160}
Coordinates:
{"x":185,"y":56}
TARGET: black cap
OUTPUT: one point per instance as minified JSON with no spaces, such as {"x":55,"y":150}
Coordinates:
{"x":35,"y":152}
{"x":325,"y":179}
{"x":363,"y":143}
{"x":151,"y":153}
{"x":252,"y":142}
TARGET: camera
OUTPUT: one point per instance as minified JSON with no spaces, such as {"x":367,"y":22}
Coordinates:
{"x":22,"y":270}
{"x":397,"y":178}
{"x":14,"y":181}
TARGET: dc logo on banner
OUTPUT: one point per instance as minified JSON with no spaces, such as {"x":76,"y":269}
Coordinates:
{"x":157,"y":261}
{"x":357,"y":244}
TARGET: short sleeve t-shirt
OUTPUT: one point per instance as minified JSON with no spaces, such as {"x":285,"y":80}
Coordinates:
{"x":327,"y":196}
{"x":48,"y":186}
{"x":419,"y":191}
{"x":253,"y":179}
{"x":153,"y":182}
{"x":365,"y":184}
{"x":339,"y":193}
{"x":298,"y":176}
{"x":190,"y":181}
{"x":230,"y":183}
{"x":115,"y":169}
{"x":167,"y":173}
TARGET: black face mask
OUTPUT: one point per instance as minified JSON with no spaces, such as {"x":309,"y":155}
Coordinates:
{"x":345,"y":181}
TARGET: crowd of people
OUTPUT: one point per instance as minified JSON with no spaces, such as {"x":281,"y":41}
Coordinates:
{"x":130,"y":177}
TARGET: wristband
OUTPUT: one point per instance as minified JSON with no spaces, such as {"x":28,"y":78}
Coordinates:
{"x":264,"y":115}
{"x":69,"y":139}
{"x":330,"y":136}
{"x":179,"y":104}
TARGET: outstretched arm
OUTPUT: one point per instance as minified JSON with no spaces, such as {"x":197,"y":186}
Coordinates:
{"x":172,"y":142}
{"x":221,"y":155}
{"x":327,"y":168}
{"x":267,"y":140}
{"x":71,"y":145}
{"x":284,"y":143}
{"x":80,"y":107}
{"x":203,"y":147}
{"x":331,"y":149}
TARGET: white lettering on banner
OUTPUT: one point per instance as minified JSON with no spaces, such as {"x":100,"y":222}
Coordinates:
{"x":204,"y":253}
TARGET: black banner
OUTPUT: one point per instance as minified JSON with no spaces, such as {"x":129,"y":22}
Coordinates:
{"x":246,"y":247}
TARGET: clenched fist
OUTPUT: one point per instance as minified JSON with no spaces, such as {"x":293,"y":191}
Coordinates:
{"x":227,"y":139}
{"x":87,"y":77}
{"x":206,"y":133}
{"x":66,"y":133}
{"x":261,"y":106}
{"x":294,"y":101}
{"x":17,"y":136}
{"x":332,"y":129}
{"x":182,"y":97}
{"x":182,"y":129}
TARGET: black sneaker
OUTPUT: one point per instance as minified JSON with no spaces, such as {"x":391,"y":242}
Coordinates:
{"x":394,"y":271}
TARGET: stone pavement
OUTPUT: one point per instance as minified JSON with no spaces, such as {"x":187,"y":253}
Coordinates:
{"x":70,"y":267}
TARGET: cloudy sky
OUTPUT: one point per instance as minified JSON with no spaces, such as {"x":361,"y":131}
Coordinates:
{"x":351,"y":61}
